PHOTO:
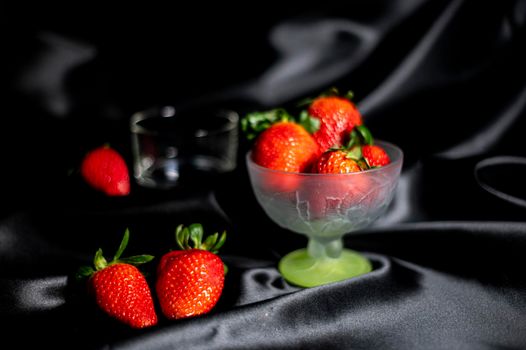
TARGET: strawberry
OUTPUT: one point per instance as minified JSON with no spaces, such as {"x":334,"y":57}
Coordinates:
{"x":190,"y":282}
{"x":166,"y":258}
{"x":336,"y":162}
{"x":336,"y":193}
{"x":280,"y":144}
{"x":120,"y":289}
{"x":375,"y":156}
{"x":105,"y":170}
{"x":337,"y":116}
{"x":285,"y":146}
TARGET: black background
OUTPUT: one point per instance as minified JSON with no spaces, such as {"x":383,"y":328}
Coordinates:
{"x":445,"y":80}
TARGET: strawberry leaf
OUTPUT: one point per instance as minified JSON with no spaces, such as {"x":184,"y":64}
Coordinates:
{"x":137,"y":259}
{"x":365,"y":134}
{"x":210,"y":241}
{"x":333,"y":91}
{"x":349,"y":95}
{"x":122,"y":246}
{"x":305,"y":102}
{"x":354,"y":139}
{"x":360,"y":135}
{"x":256,"y":122}
{"x":355,"y":153}
{"x":179,"y":236}
{"x":310,"y":123}
{"x":219,"y":243}
{"x":83,"y":272}
{"x":196,"y":234}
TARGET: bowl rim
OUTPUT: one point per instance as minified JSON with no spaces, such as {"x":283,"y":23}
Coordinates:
{"x":397,"y":162}
{"x":230,"y":118}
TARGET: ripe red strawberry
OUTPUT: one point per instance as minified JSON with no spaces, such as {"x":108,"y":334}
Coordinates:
{"x":190,"y":282}
{"x":285,"y":146}
{"x":338,"y":116}
{"x":120,"y":289}
{"x":336,"y":162}
{"x":166,"y":259}
{"x":105,"y":170}
{"x":375,"y":156}
{"x":335,"y":194}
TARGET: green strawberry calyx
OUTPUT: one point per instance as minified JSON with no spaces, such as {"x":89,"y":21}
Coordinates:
{"x":256,"y":122}
{"x":358,"y":137}
{"x":100,"y":263}
{"x":191,"y":237}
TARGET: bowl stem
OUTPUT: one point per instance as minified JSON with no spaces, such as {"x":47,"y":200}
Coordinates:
{"x":325,"y":248}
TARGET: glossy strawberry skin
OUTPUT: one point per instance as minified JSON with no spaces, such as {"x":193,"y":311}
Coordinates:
{"x":338,"y":116}
{"x":166,"y":259}
{"x":285,"y":146}
{"x":375,"y":156}
{"x":336,"y":162}
{"x":334,"y":195}
{"x":123,"y":293}
{"x":190,"y":283}
{"x":105,"y":170}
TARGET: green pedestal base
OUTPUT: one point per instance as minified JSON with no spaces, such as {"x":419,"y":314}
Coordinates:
{"x":299,"y":268}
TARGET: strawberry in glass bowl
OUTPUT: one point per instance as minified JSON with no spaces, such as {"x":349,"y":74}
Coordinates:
{"x":322,"y":193}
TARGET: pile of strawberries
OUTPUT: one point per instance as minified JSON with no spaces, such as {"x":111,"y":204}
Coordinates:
{"x":189,"y":281}
{"x":328,"y":137}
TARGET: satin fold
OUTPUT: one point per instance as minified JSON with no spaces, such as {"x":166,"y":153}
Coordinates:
{"x":443,"y":79}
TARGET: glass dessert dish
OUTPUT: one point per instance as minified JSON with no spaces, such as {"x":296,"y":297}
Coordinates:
{"x":324,"y":207}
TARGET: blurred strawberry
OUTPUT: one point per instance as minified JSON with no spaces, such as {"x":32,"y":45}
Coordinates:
{"x":105,"y":170}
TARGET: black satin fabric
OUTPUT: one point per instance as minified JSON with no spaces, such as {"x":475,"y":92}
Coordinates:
{"x":443,"y":79}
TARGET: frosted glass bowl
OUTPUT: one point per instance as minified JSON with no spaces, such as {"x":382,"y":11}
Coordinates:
{"x":324,"y":207}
